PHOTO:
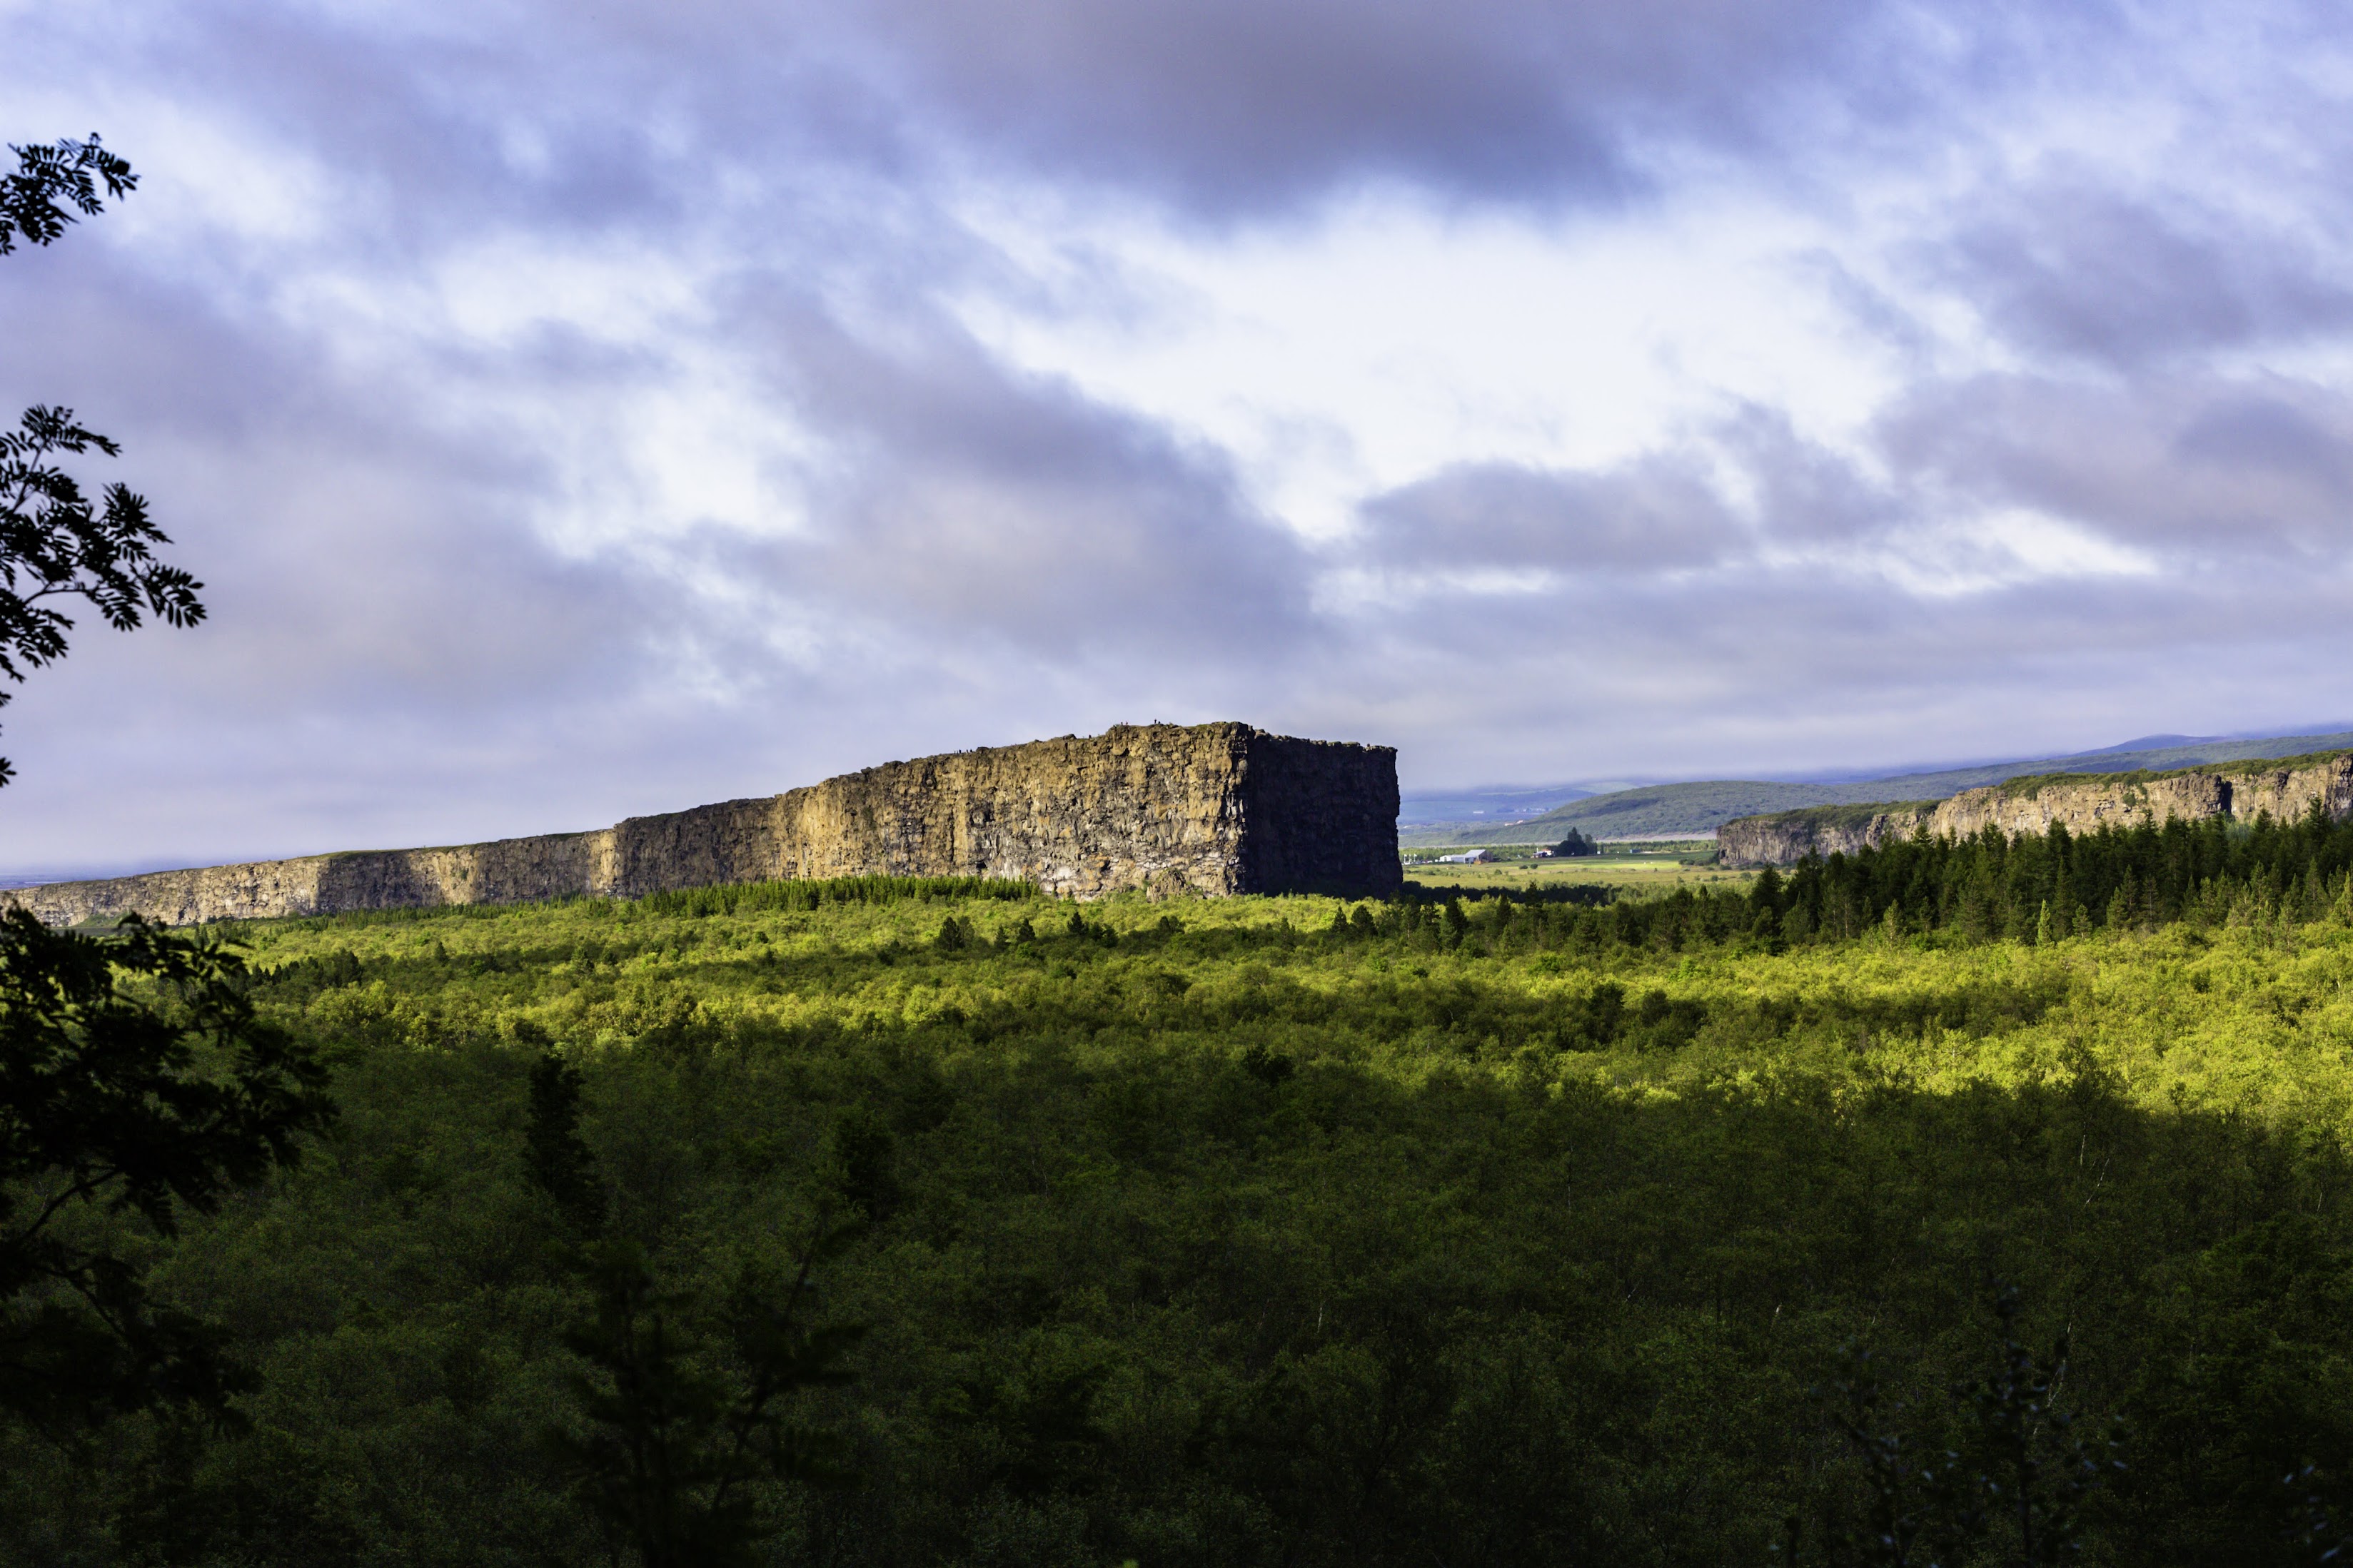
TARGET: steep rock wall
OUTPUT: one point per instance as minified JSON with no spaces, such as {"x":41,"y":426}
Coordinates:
{"x":1786,"y":837}
{"x":507,"y":872}
{"x":1211,"y":809}
{"x":2084,"y":803}
{"x":2288,"y":788}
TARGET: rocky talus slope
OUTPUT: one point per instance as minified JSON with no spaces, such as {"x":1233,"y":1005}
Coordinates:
{"x":2284,"y":789}
{"x":1208,"y":809}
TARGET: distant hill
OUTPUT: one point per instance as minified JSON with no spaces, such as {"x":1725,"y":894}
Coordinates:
{"x":1700,"y":808}
{"x":1421,"y":807}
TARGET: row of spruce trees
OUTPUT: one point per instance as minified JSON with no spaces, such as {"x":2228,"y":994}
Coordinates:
{"x":2032,"y":888}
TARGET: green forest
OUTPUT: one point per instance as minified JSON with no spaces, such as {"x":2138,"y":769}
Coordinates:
{"x":1985,"y":1202}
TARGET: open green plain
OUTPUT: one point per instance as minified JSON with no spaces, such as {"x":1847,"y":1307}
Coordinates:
{"x":1625,"y":872}
{"x":1206,"y":1233}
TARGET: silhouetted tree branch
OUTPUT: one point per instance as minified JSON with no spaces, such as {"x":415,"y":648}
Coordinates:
{"x":55,"y":541}
{"x":134,"y":1080}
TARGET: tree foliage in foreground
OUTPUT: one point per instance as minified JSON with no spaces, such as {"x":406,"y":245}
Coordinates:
{"x":136,"y":1084}
{"x":57,"y":542}
{"x":55,"y":186}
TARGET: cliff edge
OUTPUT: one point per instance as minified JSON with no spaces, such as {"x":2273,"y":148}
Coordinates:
{"x":2284,"y":789}
{"x":1210,"y":809}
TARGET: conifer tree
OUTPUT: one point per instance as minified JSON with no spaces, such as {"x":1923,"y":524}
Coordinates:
{"x":558,"y":1161}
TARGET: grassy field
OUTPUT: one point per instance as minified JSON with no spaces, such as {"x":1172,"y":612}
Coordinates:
{"x":1654,"y":867}
{"x":1207,"y":1233}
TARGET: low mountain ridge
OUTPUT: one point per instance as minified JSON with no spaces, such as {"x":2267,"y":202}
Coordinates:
{"x":1699,"y":808}
{"x":2282,"y":788}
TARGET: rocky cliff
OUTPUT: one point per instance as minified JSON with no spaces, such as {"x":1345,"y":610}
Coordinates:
{"x":1211,"y":809}
{"x":1786,"y":837}
{"x":2085,"y":802}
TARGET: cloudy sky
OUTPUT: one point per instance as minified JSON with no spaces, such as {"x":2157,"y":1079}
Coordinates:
{"x":577,"y":411}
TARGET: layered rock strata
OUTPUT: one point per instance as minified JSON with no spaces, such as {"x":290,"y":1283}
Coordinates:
{"x":2085,"y":802}
{"x":1210,"y":809}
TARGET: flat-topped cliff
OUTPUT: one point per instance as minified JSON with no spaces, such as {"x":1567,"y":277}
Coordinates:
{"x":1210,"y":809}
{"x":2084,"y":803}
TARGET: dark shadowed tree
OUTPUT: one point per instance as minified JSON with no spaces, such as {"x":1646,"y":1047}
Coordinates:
{"x":686,"y":1404}
{"x":2012,"y":1492}
{"x":134,"y":1082}
{"x":554,"y":1155}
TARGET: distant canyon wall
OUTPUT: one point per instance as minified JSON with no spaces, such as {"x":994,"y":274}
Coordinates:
{"x":1210,"y":809}
{"x":2084,"y":801}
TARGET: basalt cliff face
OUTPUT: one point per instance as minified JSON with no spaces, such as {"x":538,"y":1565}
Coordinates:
{"x":1208,"y":809}
{"x":1786,"y":837}
{"x":2084,"y":803}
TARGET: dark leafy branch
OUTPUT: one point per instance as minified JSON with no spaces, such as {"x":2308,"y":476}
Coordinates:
{"x":55,"y":184}
{"x":59,"y":542}
{"x":134,"y":1081}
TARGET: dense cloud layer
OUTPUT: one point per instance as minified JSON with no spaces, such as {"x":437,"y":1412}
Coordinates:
{"x":1233,"y":106}
{"x":581,"y":412}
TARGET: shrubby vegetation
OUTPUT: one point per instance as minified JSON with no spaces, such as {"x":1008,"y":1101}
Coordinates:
{"x":939,"y":1224}
{"x":756,"y":897}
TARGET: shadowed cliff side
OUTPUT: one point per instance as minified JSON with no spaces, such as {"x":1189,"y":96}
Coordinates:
{"x":2284,"y":790}
{"x":1211,"y":809}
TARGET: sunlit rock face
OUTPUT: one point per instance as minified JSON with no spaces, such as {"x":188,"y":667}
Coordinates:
{"x":1208,"y":809}
{"x":1786,"y":837}
{"x":2084,"y":803}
